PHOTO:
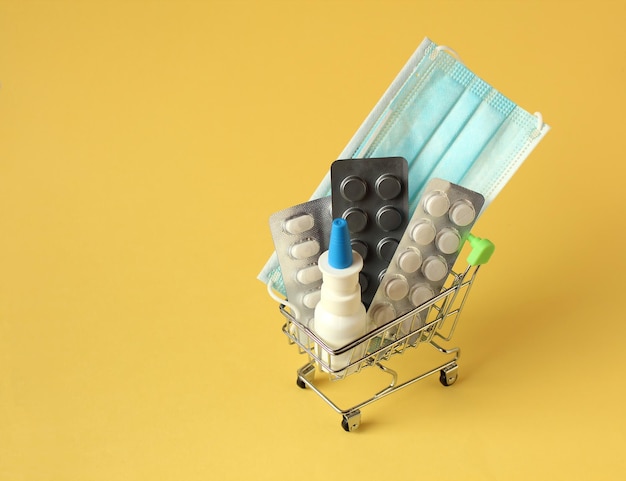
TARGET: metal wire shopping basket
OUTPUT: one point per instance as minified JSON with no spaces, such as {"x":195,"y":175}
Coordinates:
{"x":432,"y":323}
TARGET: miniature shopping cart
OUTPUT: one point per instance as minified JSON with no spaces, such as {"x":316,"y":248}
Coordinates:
{"x":431,"y":323}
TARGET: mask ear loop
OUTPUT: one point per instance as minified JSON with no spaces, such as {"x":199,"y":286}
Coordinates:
{"x":540,"y":124}
{"x":443,"y":48}
{"x":273,"y":295}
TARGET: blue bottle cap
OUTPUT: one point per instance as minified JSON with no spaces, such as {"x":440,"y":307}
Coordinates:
{"x":339,"y":248}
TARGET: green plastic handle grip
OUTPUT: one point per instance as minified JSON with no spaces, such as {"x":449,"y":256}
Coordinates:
{"x":482,"y":250}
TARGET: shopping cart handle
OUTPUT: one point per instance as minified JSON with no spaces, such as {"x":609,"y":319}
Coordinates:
{"x":482,"y":249}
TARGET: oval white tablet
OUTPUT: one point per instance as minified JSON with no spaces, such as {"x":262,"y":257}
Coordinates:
{"x":304,"y":250}
{"x":434,"y":268}
{"x":448,"y":241}
{"x":309,"y":275}
{"x":300,"y":224}
{"x":436,"y":203}
{"x":462,"y":213}
{"x":311,"y":299}
{"x":423,"y":232}
{"x":397,"y":288}
{"x":410,"y":260}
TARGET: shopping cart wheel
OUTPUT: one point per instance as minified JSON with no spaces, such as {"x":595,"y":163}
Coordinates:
{"x":305,"y":372}
{"x":351,"y":421}
{"x":448,"y":375}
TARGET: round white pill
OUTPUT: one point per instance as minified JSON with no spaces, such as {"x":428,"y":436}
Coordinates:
{"x":423,"y":232}
{"x":309,"y":275}
{"x":310,"y":299}
{"x":305,"y":249}
{"x":420,"y":294}
{"x":436,"y":203}
{"x":397,"y":288}
{"x":434,"y":268}
{"x":410,"y":260}
{"x":462,"y":213}
{"x":300,"y":224}
{"x":382,"y":314}
{"x":448,"y":241}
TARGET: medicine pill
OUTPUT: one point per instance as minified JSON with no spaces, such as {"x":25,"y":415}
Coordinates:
{"x":410,"y":260}
{"x":436,"y":204}
{"x":388,"y":218}
{"x":448,"y":240}
{"x":396,"y":288}
{"x":462,"y":213}
{"x":372,"y":196}
{"x":309,"y":274}
{"x":310,"y":299}
{"x":388,"y":187}
{"x":434,"y":268}
{"x":356,"y":218}
{"x":427,"y":251}
{"x":360,"y":247}
{"x":386,"y":248}
{"x":299,"y":224}
{"x":383,"y":313}
{"x":423,"y":232}
{"x":305,"y":249}
{"x":420,"y":294}
{"x":353,"y":188}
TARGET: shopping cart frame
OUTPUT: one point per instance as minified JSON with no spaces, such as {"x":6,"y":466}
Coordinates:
{"x":439,"y":317}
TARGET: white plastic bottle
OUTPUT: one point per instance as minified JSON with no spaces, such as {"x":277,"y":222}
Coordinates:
{"x":340,"y":315}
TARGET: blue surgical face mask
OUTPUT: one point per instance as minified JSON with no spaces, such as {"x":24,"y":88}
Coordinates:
{"x":447,"y":123}
{"x":450,"y":124}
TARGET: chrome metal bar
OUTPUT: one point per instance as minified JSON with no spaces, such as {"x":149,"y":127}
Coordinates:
{"x":382,"y":343}
{"x":390,"y":389}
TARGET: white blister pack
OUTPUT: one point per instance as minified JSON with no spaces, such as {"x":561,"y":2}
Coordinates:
{"x":301,"y":233}
{"x":426,"y":253}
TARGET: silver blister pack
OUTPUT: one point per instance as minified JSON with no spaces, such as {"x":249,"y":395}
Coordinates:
{"x":427,"y":252}
{"x":372,"y":196}
{"x":301,"y":233}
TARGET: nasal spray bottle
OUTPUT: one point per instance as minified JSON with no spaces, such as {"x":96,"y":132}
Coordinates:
{"x":340,"y":315}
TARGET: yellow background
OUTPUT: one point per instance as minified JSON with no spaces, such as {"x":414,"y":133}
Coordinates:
{"x":143,"y":146}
